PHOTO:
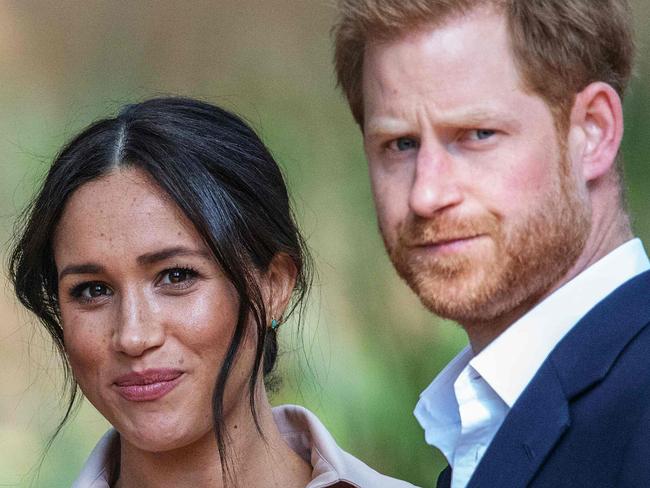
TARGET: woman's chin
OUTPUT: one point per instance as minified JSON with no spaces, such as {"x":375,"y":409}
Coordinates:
{"x":152,"y":438}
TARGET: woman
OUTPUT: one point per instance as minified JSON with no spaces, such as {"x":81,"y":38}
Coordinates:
{"x":162,"y":256}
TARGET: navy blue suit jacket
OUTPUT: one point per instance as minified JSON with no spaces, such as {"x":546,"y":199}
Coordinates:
{"x":584,"y":419}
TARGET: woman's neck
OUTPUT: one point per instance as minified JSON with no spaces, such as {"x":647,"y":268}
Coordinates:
{"x":253,"y":461}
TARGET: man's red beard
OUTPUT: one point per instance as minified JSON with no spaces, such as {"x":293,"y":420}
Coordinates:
{"x":508,"y":265}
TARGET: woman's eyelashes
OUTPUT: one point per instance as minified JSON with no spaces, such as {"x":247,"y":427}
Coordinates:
{"x":90,"y":292}
{"x":177,"y":278}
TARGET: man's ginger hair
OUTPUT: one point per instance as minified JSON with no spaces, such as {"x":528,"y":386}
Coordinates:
{"x":559,"y":46}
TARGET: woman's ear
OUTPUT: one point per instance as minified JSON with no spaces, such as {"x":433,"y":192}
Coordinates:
{"x":279,"y":282}
{"x":596,"y":130}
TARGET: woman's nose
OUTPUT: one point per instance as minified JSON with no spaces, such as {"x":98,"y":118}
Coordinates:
{"x":138,"y":327}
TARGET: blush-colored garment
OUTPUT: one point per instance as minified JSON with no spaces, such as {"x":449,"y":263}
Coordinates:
{"x":464,"y":407}
{"x":301,"y":430}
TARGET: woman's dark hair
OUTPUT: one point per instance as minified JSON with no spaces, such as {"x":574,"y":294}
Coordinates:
{"x":220,"y":175}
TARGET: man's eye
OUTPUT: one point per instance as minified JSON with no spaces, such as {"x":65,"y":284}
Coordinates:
{"x":177,"y":275}
{"x":403,"y":144}
{"x":481,"y":134}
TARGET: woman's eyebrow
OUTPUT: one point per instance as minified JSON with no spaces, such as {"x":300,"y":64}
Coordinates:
{"x":85,"y":268}
{"x":144,"y":259}
{"x":170,"y":252}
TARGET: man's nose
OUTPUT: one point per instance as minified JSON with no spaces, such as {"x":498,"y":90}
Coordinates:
{"x":138,"y":328}
{"x":435,"y":184}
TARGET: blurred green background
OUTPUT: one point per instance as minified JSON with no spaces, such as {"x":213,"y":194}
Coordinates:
{"x":368,"y":347}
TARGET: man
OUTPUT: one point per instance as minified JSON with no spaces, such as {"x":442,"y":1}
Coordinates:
{"x":492,"y":131}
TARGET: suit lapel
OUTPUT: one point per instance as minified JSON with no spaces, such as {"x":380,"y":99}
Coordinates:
{"x":529,"y":432}
{"x":589,"y":351}
{"x":541,"y":415}
{"x":444,"y":479}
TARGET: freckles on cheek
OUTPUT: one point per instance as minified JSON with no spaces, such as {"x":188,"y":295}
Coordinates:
{"x":84,"y":343}
{"x":86,"y":355}
{"x":204,"y":322}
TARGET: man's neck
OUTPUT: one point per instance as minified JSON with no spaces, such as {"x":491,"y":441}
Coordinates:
{"x":610,"y":231}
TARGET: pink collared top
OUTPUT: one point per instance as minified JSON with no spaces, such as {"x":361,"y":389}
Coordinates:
{"x":303,"y":432}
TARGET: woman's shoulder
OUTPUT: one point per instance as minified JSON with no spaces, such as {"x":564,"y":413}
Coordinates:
{"x":332,"y":466}
{"x":97,"y":470}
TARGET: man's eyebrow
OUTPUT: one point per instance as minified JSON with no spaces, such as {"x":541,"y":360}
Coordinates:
{"x":383,"y":126}
{"x":85,"y":268}
{"x":170,"y":252}
{"x":472,"y":118}
{"x":478,"y":117}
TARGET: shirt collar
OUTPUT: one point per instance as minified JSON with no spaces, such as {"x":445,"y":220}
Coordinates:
{"x":308,"y":437}
{"x":98,"y":468}
{"x":509,"y":362}
{"x":437,"y":409}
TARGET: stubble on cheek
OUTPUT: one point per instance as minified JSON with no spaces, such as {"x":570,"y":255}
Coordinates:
{"x":519,"y":264}
{"x":447,"y":284}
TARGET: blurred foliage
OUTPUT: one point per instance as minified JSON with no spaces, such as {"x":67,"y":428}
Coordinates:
{"x":368,"y":347}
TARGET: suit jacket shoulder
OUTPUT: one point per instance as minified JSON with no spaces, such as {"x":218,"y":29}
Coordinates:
{"x":586,"y":413}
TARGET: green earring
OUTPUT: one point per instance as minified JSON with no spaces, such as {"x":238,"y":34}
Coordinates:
{"x":274,"y":324}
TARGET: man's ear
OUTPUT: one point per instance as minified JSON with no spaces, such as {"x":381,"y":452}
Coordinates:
{"x":279,"y":282}
{"x":596,"y":130}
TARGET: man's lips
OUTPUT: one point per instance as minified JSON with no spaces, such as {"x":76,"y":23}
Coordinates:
{"x":446,"y":242}
{"x":147,"y":385}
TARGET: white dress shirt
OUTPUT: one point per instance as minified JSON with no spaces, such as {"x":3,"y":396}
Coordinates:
{"x":463,"y":408}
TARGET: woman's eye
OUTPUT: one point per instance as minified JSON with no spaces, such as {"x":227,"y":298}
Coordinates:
{"x":177,"y":276}
{"x":90,"y":291}
{"x":403,"y":144}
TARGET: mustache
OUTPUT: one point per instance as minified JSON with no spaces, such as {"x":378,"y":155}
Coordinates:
{"x":417,"y":231}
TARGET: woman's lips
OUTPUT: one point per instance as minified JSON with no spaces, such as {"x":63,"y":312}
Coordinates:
{"x":147,"y":385}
